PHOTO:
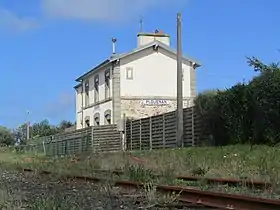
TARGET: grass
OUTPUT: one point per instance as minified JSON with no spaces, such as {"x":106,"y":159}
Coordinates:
{"x":240,"y":161}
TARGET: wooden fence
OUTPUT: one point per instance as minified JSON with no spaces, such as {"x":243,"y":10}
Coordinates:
{"x":105,"y":138}
{"x":154,"y":132}
{"x":159,"y":131}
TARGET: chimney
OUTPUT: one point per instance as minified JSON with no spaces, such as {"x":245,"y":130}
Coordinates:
{"x":146,"y":38}
{"x":114,"y":40}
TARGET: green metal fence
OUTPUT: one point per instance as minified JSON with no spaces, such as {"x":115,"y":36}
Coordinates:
{"x":105,"y":138}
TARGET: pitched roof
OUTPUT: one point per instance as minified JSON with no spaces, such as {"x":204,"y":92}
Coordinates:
{"x":160,"y":44}
{"x":138,"y":49}
{"x":94,"y":69}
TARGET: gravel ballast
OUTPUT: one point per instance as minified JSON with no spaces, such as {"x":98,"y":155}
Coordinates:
{"x":31,"y":191}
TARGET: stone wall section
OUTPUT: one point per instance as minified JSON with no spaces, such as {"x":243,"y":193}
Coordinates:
{"x":136,"y":109}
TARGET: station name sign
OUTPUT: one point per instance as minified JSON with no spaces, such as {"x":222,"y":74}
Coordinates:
{"x":154,"y":102}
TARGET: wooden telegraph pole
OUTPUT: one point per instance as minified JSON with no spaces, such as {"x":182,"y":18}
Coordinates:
{"x":179,"y":112}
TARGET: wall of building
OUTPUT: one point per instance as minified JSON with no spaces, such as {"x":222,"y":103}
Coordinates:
{"x":100,"y":106}
{"x":78,"y":99}
{"x":116,"y":95}
{"x":154,"y":81}
{"x":139,"y":108}
{"x":154,"y":78}
{"x":146,"y":38}
{"x":154,"y":74}
{"x":98,"y":109}
{"x":78,"y":107}
{"x":101,"y":74}
{"x":79,"y":118}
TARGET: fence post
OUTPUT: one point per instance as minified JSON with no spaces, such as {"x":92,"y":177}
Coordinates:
{"x":66,"y":148}
{"x":130,"y":135}
{"x":151,"y":143}
{"x":44,"y":147}
{"x":193,"y":140}
{"x":56,"y":148}
{"x":123,"y":134}
{"x":163,"y":130}
{"x":92,"y":137}
{"x":52,"y":149}
{"x":140,"y":132}
{"x":81,"y":144}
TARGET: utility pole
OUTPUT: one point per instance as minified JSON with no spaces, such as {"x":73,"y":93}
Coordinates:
{"x":27,"y":125}
{"x":27,"y":130}
{"x":179,"y":112}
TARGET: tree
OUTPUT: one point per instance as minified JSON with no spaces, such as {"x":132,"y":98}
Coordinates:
{"x":261,"y":67}
{"x":244,"y":113}
{"x":6,"y":136}
{"x":43,"y":128}
{"x":65,"y":124}
{"x":20,"y":134}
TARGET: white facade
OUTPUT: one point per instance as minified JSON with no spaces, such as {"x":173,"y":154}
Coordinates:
{"x":154,"y":74}
{"x":146,"y":38}
{"x":147,"y":73}
{"x":87,"y":106}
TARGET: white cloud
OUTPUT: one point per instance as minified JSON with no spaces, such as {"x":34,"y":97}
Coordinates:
{"x":96,"y":10}
{"x":9,"y":21}
{"x":105,"y":10}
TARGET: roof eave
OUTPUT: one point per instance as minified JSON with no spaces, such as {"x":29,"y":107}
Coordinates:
{"x":166,"y":47}
{"x":197,"y":63}
{"x":187,"y":58}
{"x":78,"y":85}
{"x":79,"y":79}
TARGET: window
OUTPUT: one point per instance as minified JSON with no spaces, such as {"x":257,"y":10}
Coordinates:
{"x":86,"y":93}
{"x":182,"y":74}
{"x":96,"y":88}
{"x":96,"y":119}
{"x":107,"y":117}
{"x":129,"y":73}
{"x":107,"y":83}
{"x":87,"y":121}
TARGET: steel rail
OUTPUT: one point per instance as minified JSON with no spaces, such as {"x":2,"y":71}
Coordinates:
{"x":232,"y":182}
{"x":193,"y":196}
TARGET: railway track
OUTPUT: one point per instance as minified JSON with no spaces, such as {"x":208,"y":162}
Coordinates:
{"x":193,"y":197}
{"x":231,"y":182}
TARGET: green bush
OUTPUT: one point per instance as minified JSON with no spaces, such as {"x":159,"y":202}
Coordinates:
{"x":6,"y":137}
{"x":244,"y":113}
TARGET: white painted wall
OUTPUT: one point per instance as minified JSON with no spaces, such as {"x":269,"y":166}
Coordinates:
{"x":92,"y":108}
{"x":101,"y":75}
{"x":154,"y":74}
{"x":78,"y":120}
{"x":98,"y":109}
{"x":78,"y":99}
{"x":144,"y":39}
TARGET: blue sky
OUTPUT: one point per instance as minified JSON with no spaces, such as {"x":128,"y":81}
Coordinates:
{"x":46,"y":44}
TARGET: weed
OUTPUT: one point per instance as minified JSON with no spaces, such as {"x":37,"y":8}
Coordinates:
{"x":139,"y":173}
{"x":106,"y":188}
{"x":52,"y":203}
{"x":239,"y":161}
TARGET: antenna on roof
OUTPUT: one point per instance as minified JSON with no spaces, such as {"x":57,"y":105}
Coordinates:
{"x":141,"y":23}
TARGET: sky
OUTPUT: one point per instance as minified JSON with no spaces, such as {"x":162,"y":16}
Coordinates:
{"x":46,"y":44}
